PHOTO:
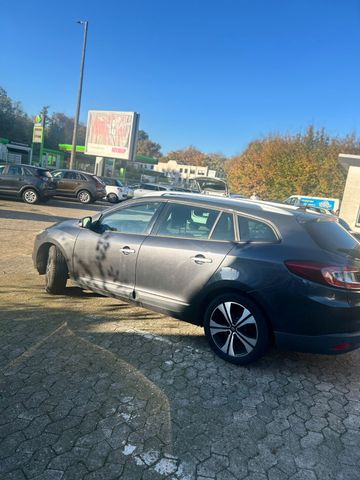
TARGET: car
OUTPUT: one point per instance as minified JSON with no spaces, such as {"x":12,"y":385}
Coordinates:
{"x":146,"y":189}
{"x":30,"y":183}
{"x":115,"y":190}
{"x":251,"y":273}
{"x":85,"y":187}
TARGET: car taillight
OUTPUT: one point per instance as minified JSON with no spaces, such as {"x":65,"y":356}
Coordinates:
{"x":336,"y":276}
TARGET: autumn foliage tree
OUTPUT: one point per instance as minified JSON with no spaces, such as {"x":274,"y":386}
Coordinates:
{"x":279,"y":166}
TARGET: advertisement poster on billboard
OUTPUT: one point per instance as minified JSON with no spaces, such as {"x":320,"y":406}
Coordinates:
{"x":111,"y":134}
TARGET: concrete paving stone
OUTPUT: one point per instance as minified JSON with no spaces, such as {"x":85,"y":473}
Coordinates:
{"x":50,"y":475}
{"x":38,"y":462}
{"x":10,"y":443}
{"x":213,"y":465}
{"x":75,"y":472}
{"x":312,"y":440}
{"x":304,"y":475}
{"x":15,"y":475}
{"x":275,"y":474}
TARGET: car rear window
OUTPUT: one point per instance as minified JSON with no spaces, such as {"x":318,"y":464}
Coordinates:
{"x":331,"y":236}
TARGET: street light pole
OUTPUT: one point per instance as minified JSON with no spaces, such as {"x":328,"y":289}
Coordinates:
{"x":76,"y":120}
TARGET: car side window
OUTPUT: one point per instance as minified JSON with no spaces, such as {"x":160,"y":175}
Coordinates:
{"x":14,"y":170}
{"x":58,"y":174}
{"x":252,"y":230}
{"x":224,"y":229}
{"x":70,"y":175}
{"x":2,"y":168}
{"x":187,"y":221}
{"x":134,"y":219}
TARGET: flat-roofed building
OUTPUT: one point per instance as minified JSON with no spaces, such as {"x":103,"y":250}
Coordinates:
{"x":350,"y":204}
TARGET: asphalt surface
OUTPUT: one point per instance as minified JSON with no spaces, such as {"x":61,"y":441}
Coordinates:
{"x":93,"y":388}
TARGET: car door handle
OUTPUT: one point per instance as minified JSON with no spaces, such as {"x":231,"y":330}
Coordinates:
{"x":199,"y":259}
{"x":127,"y":250}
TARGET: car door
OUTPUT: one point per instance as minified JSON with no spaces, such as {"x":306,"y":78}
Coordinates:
{"x":11,"y":179}
{"x":105,"y":256}
{"x":67,"y":182}
{"x":178,"y":259}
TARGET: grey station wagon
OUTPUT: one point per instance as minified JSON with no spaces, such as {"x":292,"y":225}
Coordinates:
{"x":252,"y":273}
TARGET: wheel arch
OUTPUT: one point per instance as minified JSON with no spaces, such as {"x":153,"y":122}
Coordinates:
{"x":43,"y":253}
{"x":29,"y":187}
{"x":225,"y":288}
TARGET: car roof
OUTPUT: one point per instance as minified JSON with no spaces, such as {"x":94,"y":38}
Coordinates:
{"x":254,"y":207}
{"x":73,"y":170}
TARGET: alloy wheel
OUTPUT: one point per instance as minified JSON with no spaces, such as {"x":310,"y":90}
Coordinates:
{"x":233,"y":329}
{"x":30,"y":196}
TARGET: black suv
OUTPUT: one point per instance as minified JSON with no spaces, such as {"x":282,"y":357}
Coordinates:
{"x":28,"y":182}
{"x":86,"y":187}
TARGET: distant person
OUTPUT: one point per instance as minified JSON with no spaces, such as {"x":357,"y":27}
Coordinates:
{"x":254,"y":196}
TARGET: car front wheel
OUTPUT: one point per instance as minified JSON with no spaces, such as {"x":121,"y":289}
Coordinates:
{"x":236,"y":329}
{"x":30,"y":196}
{"x":112,"y":198}
{"x":84,"y":196}
{"x":56,"y":272}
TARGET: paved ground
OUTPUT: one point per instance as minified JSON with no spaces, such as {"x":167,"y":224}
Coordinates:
{"x":92,"y":388}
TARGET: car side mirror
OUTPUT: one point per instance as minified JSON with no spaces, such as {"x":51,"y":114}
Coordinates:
{"x":86,"y":222}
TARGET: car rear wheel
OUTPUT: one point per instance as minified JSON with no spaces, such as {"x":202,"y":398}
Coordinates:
{"x":30,"y":196}
{"x":112,"y":198}
{"x":236,"y":329}
{"x":56,"y":272}
{"x":84,"y":196}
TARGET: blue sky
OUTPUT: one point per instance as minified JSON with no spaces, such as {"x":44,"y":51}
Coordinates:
{"x":214,"y":74}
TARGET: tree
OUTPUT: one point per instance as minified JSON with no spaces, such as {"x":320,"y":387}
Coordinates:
{"x":15,"y":124}
{"x":279,"y":166}
{"x":60,"y":130}
{"x":188,"y":156}
{"x":147,"y":147}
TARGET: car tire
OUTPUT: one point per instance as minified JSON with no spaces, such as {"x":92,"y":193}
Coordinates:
{"x":112,"y":198}
{"x":56,"y":272}
{"x":29,"y":195}
{"x":236,"y":329}
{"x":84,"y":197}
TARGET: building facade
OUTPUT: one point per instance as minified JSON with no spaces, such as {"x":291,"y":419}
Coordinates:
{"x":350,"y":204}
{"x":182,"y":173}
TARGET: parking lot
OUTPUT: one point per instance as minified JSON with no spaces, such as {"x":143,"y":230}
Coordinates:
{"x":93,"y":388}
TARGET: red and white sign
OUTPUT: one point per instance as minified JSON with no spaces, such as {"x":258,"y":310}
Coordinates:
{"x":111,"y":134}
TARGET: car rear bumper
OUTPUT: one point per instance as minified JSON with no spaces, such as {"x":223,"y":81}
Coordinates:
{"x":331,"y":344}
{"x":99,"y":194}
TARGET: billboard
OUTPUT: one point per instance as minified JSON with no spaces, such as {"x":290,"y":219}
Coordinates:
{"x":111,"y":134}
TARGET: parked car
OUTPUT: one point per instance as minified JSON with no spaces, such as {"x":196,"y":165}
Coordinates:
{"x":30,"y":183}
{"x":86,"y":187}
{"x":115,"y":190}
{"x":149,"y":189}
{"x":250,"y":272}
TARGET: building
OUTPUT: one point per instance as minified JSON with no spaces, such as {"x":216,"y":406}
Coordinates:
{"x":350,"y":204}
{"x":182,"y":173}
{"x":15,"y":152}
